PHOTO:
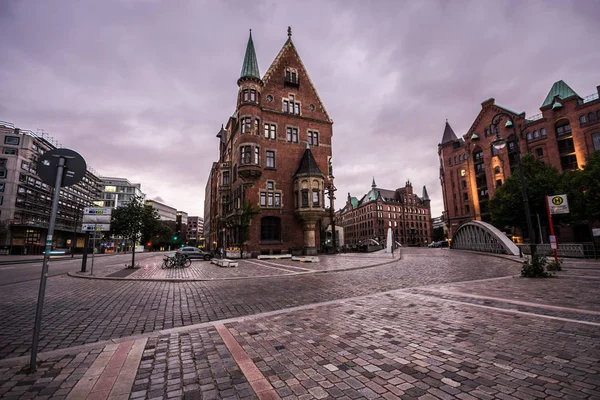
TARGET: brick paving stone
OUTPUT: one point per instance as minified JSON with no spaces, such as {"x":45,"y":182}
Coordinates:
{"x":448,"y":340}
{"x":80,"y":311}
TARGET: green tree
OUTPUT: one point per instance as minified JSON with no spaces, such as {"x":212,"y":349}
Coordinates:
{"x":583,"y":191}
{"x":506,"y":207}
{"x":135,"y":222}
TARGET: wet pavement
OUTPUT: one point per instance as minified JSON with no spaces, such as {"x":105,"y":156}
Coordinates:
{"x":434,"y":325}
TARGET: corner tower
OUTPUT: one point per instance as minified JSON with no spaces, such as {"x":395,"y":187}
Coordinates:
{"x":278,"y":143}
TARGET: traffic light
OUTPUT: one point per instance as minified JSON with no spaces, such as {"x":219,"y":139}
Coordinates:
{"x":176,"y":236}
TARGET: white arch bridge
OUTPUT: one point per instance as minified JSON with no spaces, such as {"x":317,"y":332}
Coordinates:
{"x":481,"y":236}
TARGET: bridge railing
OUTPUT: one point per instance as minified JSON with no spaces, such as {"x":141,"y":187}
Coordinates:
{"x":565,"y":250}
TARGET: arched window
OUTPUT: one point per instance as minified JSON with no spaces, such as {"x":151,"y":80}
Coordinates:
{"x":591,"y":117}
{"x":536,"y":134}
{"x":596,"y":141}
{"x":496,"y":169}
{"x":270,"y":228}
{"x":582,"y":119}
{"x":543,"y":132}
{"x":563,"y":128}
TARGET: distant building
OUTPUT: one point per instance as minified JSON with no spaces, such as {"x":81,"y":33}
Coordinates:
{"x":274,"y":161}
{"x":165,"y":212}
{"x":211,"y":204}
{"x":562,"y":135}
{"x":192,"y":233}
{"x":370,"y":217}
{"x":182,"y":224}
{"x":26,"y":202}
{"x":438,"y":222}
{"x":118,"y":192}
{"x":195,"y":231}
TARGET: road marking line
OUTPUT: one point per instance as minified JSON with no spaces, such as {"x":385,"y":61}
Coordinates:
{"x":508,"y":311}
{"x":256,"y":379}
{"x":288,"y":266}
{"x":522,"y":303}
{"x":270,"y":266}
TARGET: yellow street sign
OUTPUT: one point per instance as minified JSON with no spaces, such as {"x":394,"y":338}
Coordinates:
{"x":558,"y":204}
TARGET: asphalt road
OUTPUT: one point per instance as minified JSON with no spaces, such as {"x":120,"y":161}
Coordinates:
{"x":24,"y":272}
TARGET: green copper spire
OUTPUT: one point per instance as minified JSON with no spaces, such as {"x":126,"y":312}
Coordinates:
{"x":560,"y":89}
{"x":250,"y":66}
{"x":373,"y":185}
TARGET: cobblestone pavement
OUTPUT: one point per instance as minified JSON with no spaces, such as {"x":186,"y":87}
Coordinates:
{"x":428,"y":338}
{"x":150,"y":269}
{"x":80,"y":311}
{"x":500,"y":338}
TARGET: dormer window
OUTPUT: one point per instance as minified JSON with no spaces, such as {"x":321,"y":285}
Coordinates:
{"x":291,"y":77}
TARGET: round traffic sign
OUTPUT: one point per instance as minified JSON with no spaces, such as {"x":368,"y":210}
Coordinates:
{"x":74,"y":167}
{"x":557,"y":200}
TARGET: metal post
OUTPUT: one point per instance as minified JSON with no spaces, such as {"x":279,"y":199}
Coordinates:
{"x":93,"y":251}
{"x":44,"y":277}
{"x":86,"y":244}
{"x":540,"y":228}
{"x":526,"y":205}
{"x":332,"y":216}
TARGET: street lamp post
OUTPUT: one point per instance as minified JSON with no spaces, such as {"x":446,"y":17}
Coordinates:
{"x":499,"y":143}
{"x":331,"y":194}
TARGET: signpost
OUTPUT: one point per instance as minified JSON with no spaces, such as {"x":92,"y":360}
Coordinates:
{"x":556,"y":204}
{"x":57,"y":168}
{"x":96,"y":219}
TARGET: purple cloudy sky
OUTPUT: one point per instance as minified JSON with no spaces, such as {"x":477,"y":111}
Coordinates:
{"x":141,"y":87}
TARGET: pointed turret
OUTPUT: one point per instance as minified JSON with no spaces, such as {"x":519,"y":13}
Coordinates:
{"x":373,"y":185}
{"x":561,"y":90}
{"x":425,"y":196}
{"x":250,"y":65}
{"x":449,"y":135}
{"x":308,"y":164}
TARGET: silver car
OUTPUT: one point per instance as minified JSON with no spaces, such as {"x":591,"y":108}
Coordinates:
{"x":193,"y":252}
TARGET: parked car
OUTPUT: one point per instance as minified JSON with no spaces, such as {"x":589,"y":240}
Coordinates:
{"x":193,"y":252}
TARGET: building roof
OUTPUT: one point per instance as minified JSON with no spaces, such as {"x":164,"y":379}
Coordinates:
{"x":425,"y":196}
{"x":250,"y":65}
{"x":308,"y":164}
{"x":560,"y":89}
{"x":289,"y":46}
{"x":449,"y":135}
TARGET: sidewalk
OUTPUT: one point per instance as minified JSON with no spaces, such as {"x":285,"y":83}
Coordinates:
{"x":499,"y":338}
{"x":19,"y":259}
{"x":150,"y":269}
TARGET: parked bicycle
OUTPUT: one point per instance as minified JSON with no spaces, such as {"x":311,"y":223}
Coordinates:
{"x":176,"y":261}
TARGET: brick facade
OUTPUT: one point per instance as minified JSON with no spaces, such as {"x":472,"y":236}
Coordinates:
{"x":407,"y":214}
{"x":562,"y":135}
{"x":260,"y":150}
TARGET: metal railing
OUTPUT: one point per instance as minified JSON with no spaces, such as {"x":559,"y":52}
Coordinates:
{"x":534,"y":118}
{"x":565,"y":250}
{"x":589,"y":98}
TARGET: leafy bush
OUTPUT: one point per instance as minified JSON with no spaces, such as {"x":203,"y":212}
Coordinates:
{"x":535,"y":267}
{"x":554,"y":266}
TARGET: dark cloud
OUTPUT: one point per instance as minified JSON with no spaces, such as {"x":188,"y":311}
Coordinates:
{"x":140,"y":88}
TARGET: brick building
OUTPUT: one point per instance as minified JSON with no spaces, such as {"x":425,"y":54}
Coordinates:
{"x":563,"y":134}
{"x":267,"y":191}
{"x":407,"y":214}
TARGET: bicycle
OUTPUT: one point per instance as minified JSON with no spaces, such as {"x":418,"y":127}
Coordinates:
{"x":176,"y":262}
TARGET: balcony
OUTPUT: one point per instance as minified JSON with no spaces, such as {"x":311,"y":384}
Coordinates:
{"x":291,"y":81}
{"x":249,"y":172}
